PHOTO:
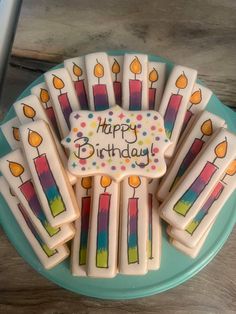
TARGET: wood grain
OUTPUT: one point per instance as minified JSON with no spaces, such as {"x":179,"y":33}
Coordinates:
{"x":198,"y":33}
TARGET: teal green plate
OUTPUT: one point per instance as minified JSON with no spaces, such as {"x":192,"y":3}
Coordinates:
{"x":175,"y":266}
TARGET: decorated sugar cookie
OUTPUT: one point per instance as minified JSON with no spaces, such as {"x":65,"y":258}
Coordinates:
{"x":103,"y":229}
{"x":135,"y":82}
{"x":41,"y":91}
{"x":77,"y":70}
{"x":192,"y":252}
{"x":54,"y":191}
{"x":100,"y":86}
{"x":29,"y":109}
{"x":154,"y":226}
{"x":197,"y":103}
{"x":116,"y":64}
{"x":174,"y":102}
{"x":187,"y":198}
{"x":205,"y":126}
{"x":133,"y":253}
{"x":48,"y":257}
{"x":10,"y":130}
{"x":157,"y":79}
{"x":15,"y":170}
{"x":117,"y":142}
{"x":83,"y":191}
{"x":210,"y":209}
{"x":64,"y":98}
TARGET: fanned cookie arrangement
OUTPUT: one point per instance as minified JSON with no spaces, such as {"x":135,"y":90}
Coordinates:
{"x":102,"y":150}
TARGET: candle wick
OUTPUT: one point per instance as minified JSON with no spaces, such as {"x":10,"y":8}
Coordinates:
{"x":134,"y":193}
{"x":78,"y":78}
{"x":222,"y":180}
{"x":190,"y":107}
{"x":37,"y":151}
{"x":98,"y":80}
{"x":214,"y":160}
{"x":21,"y":180}
{"x":178,"y":91}
{"x":152,"y":84}
{"x":116,"y":77}
{"x":32,"y":119}
{"x":135,"y":75}
{"x":202,"y":136}
{"x":86,"y":192}
{"x":46,"y":104}
{"x":60,"y":91}
{"x":105,"y":189}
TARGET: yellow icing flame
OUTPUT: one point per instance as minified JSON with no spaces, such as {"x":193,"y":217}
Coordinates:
{"x":105,"y":181}
{"x":231,"y":170}
{"x":134,"y":181}
{"x":181,"y":81}
{"x":135,"y":66}
{"x":44,"y":95}
{"x":16,"y":168}
{"x":221,"y":149}
{"x":77,"y":70}
{"x":153,"y":76}
{"x":34,"y":138}
{"x":28,"y":111}
{"x":206,"y":127}
{"x":57,"y":82}
{"x":115,"y":67}
{"x":196,"y":97}
{"x":86,"y":183}
{"x":99,"y":70}
{"x":16,"y":134}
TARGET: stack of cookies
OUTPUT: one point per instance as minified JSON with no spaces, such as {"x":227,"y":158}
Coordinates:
{"x":103,"y":148}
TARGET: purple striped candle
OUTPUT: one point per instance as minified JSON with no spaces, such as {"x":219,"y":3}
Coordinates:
{"x":65,"y":107}
{"x":150,"y":204}
{"x":100,"y":97}
{"x":51,"y":116}
{"x":132,"y":232}
{"x":187,"y":117}
{"x":81,"y":94}
{"x":117,"y":91}
{"x":171,"y":113}
{"x":85,"y":213}
{"x":152,"y":97}
{"x":135,"y":95}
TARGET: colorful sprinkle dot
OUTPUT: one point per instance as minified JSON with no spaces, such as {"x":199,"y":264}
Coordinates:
{"x":113,"y":168}
{"x":155,"y":150}
{"x":83,"y":149}
{"x":110,"y":113}
{"x":83,"y":124}
{"x":103,"y":164}
{"x":68,"y":140}
{"x":79,"y":134}
{"x":90,"y":133}
{"x":157,"y":138}
{"x":144,"y":133}
{"x":153,"y":127}
{"x":127,"y":120}
{"x":110,"y":119}
{"x":90,"y":115}
{"x":94,"y":163}
{"x":133,"y":165}
{"x":82,"y":161}
{"x":153,"y":167}
{"x":139,"y":117}
{"x":139,"y":126}
{"x":160,"y":130}
{"x":123,"y":168}
{"x":127,"y":160}
{"x":82,"y":168}
{"x":140,"y":142}
{"x":77,"y":145}
{"x":166,"y":141}
{"x":75,"y":130}
{"x":155,"y":118}
{"x":148,"y":114}
{"x":156,"y":160}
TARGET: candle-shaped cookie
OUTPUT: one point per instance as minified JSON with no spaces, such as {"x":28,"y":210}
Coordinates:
{"x":103,"y":229}
{"x":16,"y":172}
{"x":76,"y":68}
{"x":100,"y":86}
{"x":10,"y":130}
{"x":188,"y":197}
{"x":197,"y":103}
{"x":174,"y":102}
{"x":41,"y":91}
{"x":206,"y":124}
{"x":133,"y":257}
{"x":116,"y":63}
{"x":157,"y":78}
{"x":209,"y":211}
{"x":48,"y":257}
{"x":135,"y":82}
{"x":64,"y":98}
{"x":80,"y":241}
{"x":29,"y":109}
{"x":154,"y":226}
{"x":192,"y":252}
{"x":54,"y":191}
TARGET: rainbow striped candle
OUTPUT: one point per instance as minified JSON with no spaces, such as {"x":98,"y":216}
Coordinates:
{"x":30,"y":195}
{"x":171,"y":113}
{"x":48,"y":183}
{"x":187,"y":200}
{"x":135,"y":95}
{"x":133,"y":254}
{"x":65,"y":107}
{"x":48,"y":252}
{"x":100,"y":96}
{"x":192,"y":153}
{"x":150,"y":204}
{"x":85,"y":212}
{"x":205,"y":208}
{"x":103,"y":230}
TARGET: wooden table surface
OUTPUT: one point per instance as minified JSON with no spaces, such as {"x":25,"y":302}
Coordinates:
{"x":200,"y":34}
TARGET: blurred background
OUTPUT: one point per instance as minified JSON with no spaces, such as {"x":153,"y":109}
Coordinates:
{"x":199,"y":34}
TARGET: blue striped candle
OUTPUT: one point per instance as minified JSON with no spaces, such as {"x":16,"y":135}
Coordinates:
{"x":133,"y":254}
